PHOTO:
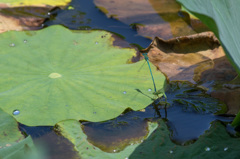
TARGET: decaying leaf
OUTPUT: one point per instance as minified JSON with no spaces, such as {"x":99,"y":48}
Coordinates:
{"x":71,"y":129}
{"x":150,"y":18}
{"x":22,"y":18}
{"x":186,"y":57}
{"x":198,"y":58}
{"x":25,"y":14}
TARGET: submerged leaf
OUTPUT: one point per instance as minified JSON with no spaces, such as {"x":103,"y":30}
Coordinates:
{"x":71,"y":129}
{"x":56,"y":74}
{"x":192,"y":99}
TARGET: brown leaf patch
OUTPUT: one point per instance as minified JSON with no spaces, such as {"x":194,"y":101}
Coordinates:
{"x":200,"y":59}
{"x":186,"y":57}
{"x":22,"y":18}
{"x":149,"y":17}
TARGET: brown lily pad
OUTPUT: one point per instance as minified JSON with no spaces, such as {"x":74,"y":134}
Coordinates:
{"x":149,"y":17}
{"x":185,"y":58}
{"x":200,"y":59}
{"x":25,"y":15}
{"x":22,"y":18}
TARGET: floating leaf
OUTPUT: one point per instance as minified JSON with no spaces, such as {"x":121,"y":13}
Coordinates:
{"x":71,"y":129}
{"x":17,"y":3}
{"x":56,"y":74}
{"x":215,"y":143}
{"x":22,"y":18}
{"x":187,"y":57}
{"x":150,"y":18}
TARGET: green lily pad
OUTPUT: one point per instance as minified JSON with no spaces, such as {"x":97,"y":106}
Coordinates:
{"x":215,"y":143}
{"x":71,"y":129}
{"x":12,"y":143}
{"x":17,"y":3}
{"x":56,"y":74}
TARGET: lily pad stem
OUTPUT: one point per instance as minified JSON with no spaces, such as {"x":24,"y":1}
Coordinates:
{"x":146,"y":58}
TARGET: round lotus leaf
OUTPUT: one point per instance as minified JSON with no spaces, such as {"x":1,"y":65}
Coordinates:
{"x":16,"y":3}
{"x":55,"y":74}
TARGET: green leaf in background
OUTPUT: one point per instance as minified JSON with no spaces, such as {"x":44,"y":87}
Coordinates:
{"x":215,"y":143}
{"x":17,"y":3}
{"x":56,"y":74}
{"x":13,"y":145}
{"x":222,"y":17}
{"x":71,"y":129}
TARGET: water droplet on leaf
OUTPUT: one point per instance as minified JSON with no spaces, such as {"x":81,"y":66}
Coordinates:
{"x":16,"y":112}
{"x":12,"y":45}
{"x":207,"y":149}
{"x":225,"y":149}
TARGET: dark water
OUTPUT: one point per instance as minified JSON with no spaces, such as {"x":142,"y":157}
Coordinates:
{"x":183,"y":125}
{"x":114,"y":135}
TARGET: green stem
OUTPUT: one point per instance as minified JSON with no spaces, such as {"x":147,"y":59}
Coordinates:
{"x":146,"y":58}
